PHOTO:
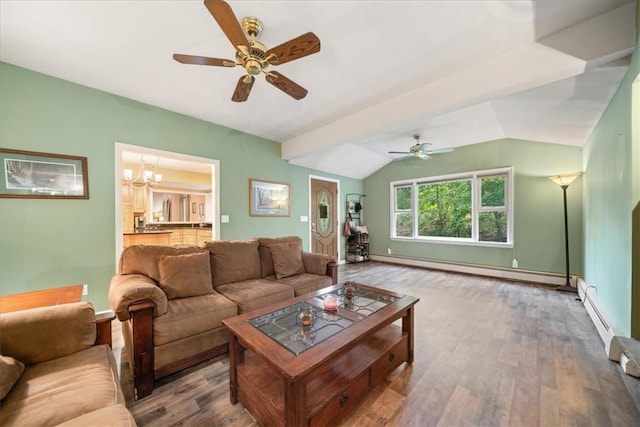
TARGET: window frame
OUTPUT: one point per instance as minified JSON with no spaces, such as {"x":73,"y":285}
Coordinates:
{"x":476,"y":207}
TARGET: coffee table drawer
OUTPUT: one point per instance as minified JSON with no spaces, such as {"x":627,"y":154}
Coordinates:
{"x":389,"y":361}
{"x":343,"y":403}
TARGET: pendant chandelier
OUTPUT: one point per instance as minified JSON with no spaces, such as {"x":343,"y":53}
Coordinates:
{"x":145,"y":178}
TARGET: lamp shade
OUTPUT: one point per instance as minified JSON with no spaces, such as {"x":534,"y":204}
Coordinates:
{"x":565,"y":179}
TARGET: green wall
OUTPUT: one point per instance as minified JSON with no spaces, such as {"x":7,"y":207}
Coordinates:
{"x":48,"y":243}
{"x":608,"y":177}
{"x":539,"y":218}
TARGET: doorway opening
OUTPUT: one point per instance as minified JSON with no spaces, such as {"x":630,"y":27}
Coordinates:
{"x":180,"y":175}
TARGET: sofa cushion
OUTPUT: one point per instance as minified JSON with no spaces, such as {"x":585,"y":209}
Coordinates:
{"x":234,"y":261}
{"x":191,"y":316}
{"x":143,"y":259}
{"x":60,"y":329}
{"x":10,"y":371}
{"x":304,"y":283}
{"x":116,"y":415}
{"x":266,"y":261}
{"x":61,"y":389}
{"x":252,"y":294}
{"x":187,"y":275}
{"x":287,"y":259}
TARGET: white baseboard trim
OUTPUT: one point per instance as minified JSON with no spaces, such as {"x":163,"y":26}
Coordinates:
{"x":479,"y":270}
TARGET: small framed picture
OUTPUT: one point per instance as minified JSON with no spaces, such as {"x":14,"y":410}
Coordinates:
{"x":268,"y":198}
{"x":34,"y":175}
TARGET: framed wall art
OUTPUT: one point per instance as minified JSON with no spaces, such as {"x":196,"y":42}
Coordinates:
{"x":34,"y":175}
{"x":268,"y":198}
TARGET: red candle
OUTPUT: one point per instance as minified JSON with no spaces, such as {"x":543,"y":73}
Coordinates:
{"x":330,"y":302}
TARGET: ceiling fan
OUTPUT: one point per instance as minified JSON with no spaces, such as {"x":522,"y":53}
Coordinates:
{"x":421,"y":150}
{"x":252,"y":55}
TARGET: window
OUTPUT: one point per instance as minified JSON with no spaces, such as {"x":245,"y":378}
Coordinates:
{"x":473,"y":208}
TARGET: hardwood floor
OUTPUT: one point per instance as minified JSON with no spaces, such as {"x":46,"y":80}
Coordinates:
{"x":488,"y":352}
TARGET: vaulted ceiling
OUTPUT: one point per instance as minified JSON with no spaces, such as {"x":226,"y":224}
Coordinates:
{"x":460,"y":72}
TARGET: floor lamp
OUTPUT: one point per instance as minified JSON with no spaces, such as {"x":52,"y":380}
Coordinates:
{"x":563,"y":181}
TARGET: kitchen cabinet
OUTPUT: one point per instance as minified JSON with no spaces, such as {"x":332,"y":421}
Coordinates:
{"x":139,"y":199}
{"x":203,"y":235}
{"x":127,"y":218}
{"x":160,"y":238}
{"x":127,"y":194}
{"x":189,"y":236}
{"x":136,"y":197}
{"x":176,"y":236}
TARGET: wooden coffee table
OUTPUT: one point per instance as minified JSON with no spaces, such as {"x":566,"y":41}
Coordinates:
{"x":287,"y":374}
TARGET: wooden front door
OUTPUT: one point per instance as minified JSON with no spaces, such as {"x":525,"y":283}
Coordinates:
{"x":324,"y":217}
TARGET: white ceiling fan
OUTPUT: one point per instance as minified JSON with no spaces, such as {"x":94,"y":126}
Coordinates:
{"x":421,"y":150}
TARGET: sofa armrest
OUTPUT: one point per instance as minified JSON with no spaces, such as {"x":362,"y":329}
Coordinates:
{"x":129,"y":289}
{"x":103,"y":328}
{"x":45,"y":333}
{"x":320,"y":264}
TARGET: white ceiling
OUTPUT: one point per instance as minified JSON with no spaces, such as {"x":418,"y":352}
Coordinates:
{"x":460,"y":72}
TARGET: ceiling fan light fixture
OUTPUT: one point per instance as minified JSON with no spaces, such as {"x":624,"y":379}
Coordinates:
{"x":252,"y":55}
{"x":421,"y":150}
{"x":253,"y":67}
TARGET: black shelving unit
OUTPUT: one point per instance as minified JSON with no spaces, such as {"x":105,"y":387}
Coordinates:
{"x":357,"y":244}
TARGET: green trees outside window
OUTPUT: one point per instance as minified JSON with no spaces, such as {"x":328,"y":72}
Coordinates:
{"x":473,"y":206}
{"x":445,"y":209}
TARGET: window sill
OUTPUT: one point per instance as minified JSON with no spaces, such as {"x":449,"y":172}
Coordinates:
{"x":461,"y":242}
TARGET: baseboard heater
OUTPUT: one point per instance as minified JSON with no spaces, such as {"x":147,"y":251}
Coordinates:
{"x":478,"y":270}
{"x":617,"y":347}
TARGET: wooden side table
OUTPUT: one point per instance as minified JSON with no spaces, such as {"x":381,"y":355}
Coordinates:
{"x":41,"y":298}
{"x":56,"y":296}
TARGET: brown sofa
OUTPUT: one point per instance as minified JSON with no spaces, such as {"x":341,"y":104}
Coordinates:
{"x":172,"y":300}
{"x":56,"y":371}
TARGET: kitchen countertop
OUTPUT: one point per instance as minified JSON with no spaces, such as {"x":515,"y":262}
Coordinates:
{"x":149,"y":232}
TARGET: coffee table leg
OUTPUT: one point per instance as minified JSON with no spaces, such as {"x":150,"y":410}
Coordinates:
{"x":295,"y":398}
{"x":407,"y":326}
{"x":236,"y":356}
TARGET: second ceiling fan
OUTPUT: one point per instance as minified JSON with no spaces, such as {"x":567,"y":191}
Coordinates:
{"x":252,"y":55}
{"x":421,"y":150}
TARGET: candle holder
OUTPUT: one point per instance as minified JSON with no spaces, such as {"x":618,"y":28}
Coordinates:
{"x":330,"y":302}
{"x":349,"y":292}
{"x":306,"y":317}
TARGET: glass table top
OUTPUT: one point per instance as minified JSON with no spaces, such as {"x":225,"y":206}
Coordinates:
{"x":288,"y":326}
{"x":301,"y":326}
{"x":364,"y":301}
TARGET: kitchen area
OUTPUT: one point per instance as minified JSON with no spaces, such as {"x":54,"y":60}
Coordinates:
{"x":165,"y":201}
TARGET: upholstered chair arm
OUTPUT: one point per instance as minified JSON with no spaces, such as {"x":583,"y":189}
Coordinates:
{"x":40,"y":334}
{"x":129,"y":289}
{"x":320,"y":264}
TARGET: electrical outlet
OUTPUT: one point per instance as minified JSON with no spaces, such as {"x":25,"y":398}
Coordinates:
{"x":388,"y":251}
{"x":85,"y":289}
{"x":514,"y":263}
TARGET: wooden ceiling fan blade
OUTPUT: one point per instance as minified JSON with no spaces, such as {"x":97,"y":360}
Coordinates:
{"x":226,"y":19}
{"x":398,"y":152}
{"x":289,"y":87}
{"x":297,"y":48}
{"x":203,"y":60}
{"x":243,"y":88}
